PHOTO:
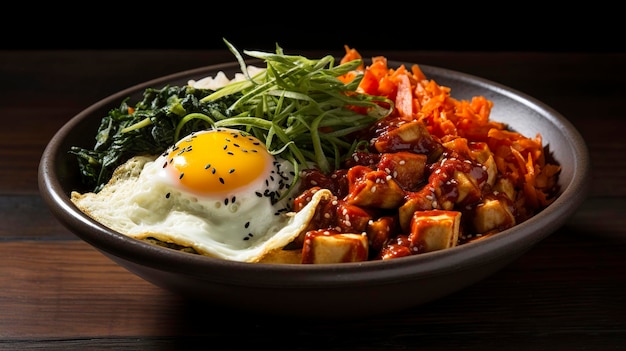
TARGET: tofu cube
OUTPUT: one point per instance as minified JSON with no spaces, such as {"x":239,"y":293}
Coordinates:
{"x":373,"y":189}
{"x":505,"y":186}
{"x":326,"y":247}
{"x":468,"y":189}
{"x":434,"y":230}
{"x":418,"y":201}
{"x":406,"y":168}
{"x":380,"y":230}
{"x":492,"y":214}
{"x":412,"y":136}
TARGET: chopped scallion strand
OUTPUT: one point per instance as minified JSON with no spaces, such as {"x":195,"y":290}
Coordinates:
{"x":300,"y":107}
{"x":188,"y":118}
{"x":143,"y":123}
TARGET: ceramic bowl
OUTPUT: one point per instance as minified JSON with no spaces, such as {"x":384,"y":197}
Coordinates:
{"x":333,"y":290}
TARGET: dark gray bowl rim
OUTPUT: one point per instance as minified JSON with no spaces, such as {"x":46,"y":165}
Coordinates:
{"x":509,"y":242}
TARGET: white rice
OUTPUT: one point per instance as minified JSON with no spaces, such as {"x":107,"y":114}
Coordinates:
{"x":220,"y":79}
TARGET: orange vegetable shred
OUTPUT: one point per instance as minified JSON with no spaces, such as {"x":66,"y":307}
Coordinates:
{"x":519,"y":158}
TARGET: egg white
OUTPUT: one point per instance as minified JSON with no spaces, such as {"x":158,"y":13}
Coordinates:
{"x":136,"y":203}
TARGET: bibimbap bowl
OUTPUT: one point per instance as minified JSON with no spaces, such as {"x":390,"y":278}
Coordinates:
{"x":325,"y":290}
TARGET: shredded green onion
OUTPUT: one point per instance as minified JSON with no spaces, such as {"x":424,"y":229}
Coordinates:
{"x":300,"y":108}
{"x":188,"y":118}
{"x":143,"y":123}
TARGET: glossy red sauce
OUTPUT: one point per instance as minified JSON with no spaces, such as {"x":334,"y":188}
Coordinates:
{"x":405,"y":169}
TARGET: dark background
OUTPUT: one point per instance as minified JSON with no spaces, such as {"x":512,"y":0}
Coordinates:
{"x":323,"y":25}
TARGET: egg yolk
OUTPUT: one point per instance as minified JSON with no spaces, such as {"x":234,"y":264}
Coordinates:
{"x":218,"y":161}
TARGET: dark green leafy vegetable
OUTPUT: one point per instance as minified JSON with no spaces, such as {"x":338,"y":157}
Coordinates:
{"x":148,"y":128}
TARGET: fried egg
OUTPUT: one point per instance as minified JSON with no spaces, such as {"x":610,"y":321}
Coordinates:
{"x":217,"y":191}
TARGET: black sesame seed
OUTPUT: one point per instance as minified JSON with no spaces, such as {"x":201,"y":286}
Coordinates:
{"x":258,"y":194}
{"x":225,"y":147}
{"x":226,"y":202}
{"x":221,"y":180}
{"x":246,"y":238}
{"x":213,"y":171}
{"x":164,"y":164}
{"x":232,"y":170}
{"x":246,"y":225}
{"x":236,"y":145}
{"x":207,"y":166}
{"x":233,"y":199}
{"x":250,"y":234}
{"x":167,"y":196}
{"x":181,"y":176}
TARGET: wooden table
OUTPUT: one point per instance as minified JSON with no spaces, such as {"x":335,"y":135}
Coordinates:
{"x":57,"y":292}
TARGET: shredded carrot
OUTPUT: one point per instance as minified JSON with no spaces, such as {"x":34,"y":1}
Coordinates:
{"x":351,"y":55}
{"x":519,"y":158}
{"x":404,"y":98}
